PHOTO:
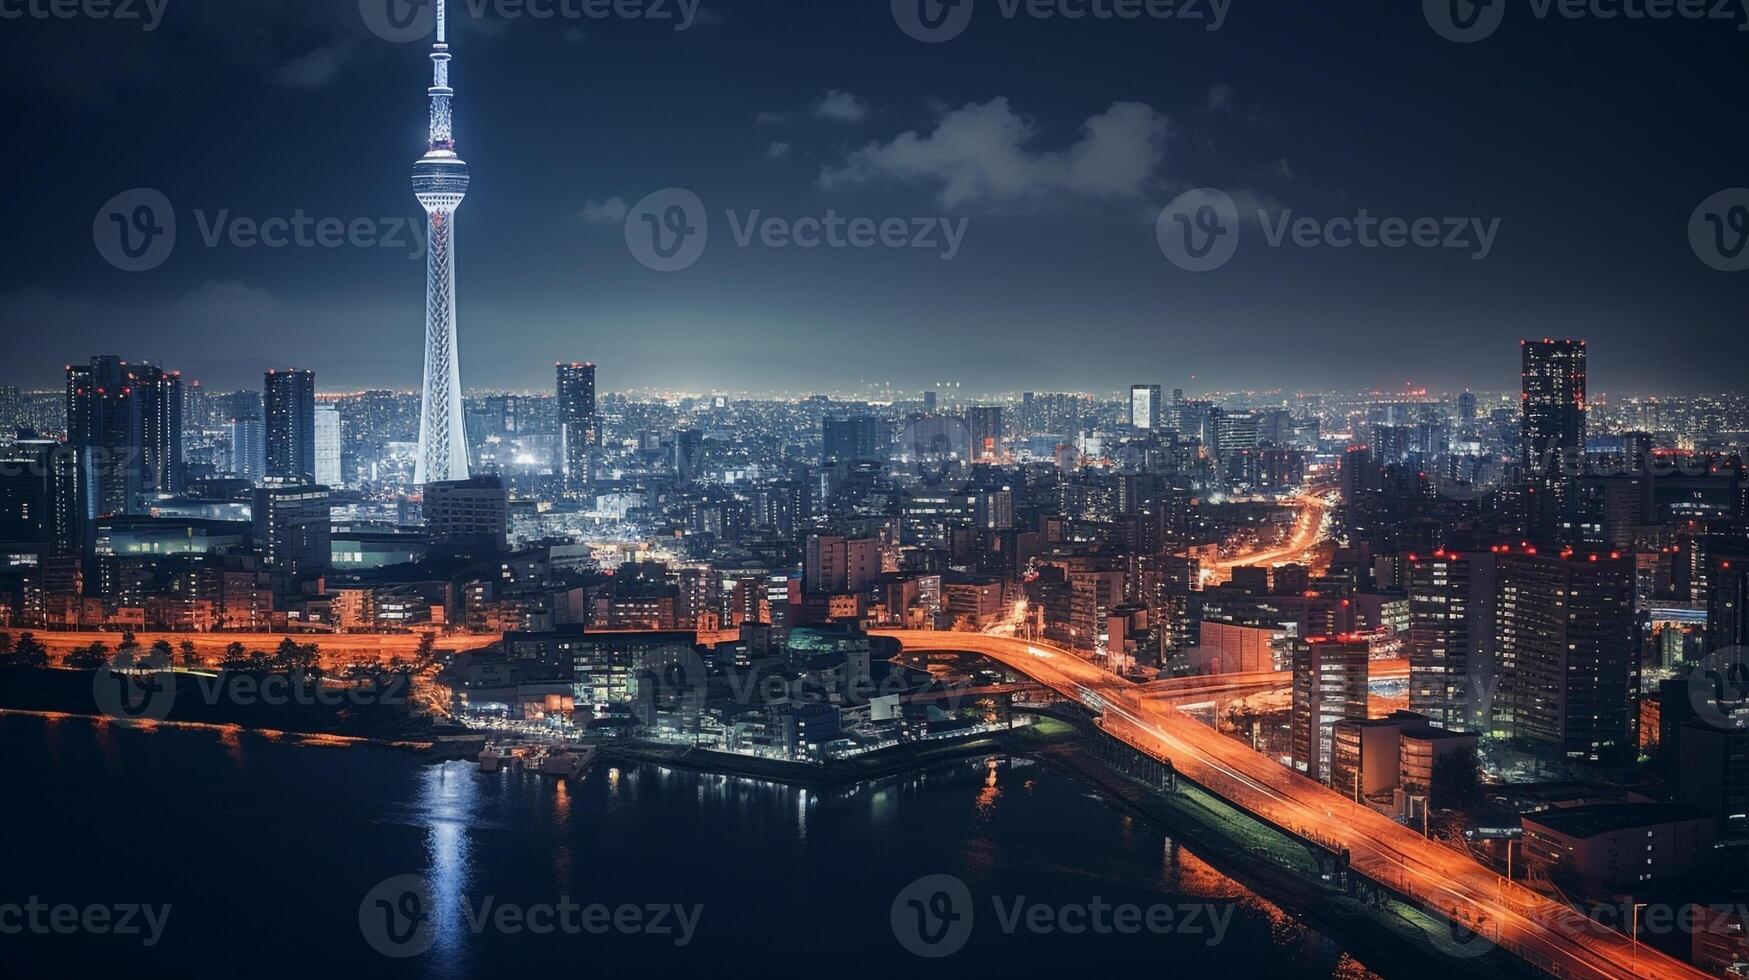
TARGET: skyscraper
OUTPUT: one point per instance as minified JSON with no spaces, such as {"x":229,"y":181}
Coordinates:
{"x":440,"y":181}
{"x":1567,"y":646}
{"x":158,"y":396}
{"x":1145,"y":406}
{"x":11,"y":408}
{"x":248,"y":449}
{"x":579,"y":430}
{"x":688,"y":455}
{"x":1451,"y":639}
{"x":293,"y":530}
{"x":290,"y":404}
{"x":1554,"y":406}
{"x":1329,"y":685}
{"x":124,"y":423}
{"x":984,"y":433}
{"x":856,"y":439}
{"x":328,"y":446}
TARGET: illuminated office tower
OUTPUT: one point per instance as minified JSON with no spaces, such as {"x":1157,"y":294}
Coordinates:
{"x":289,"y":399}
{"x":1145,"y":406}
{"x":328,"y":446}
{"x":1553,"y":420}
{"x":578,"y":424}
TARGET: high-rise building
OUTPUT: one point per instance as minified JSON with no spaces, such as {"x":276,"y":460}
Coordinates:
{"x":293,"y":530}
{"x":289,"y":400}
{"x":984,"y":434}
{"x":579,"y":427}
{"x":328,"y":443}
{"x":159,"y":401}
{"x":1553,"y":416}
{"x":834,"y":564}
{"x":11,"y":409}
{"x":1329,"y":685}
{"x":688,"y":458}
{"x":468,"y":515}
{"x":1234,"y":432}
{"x":440,"y":181}
{"x":248,"y":449}
{"x":29,"y":480}
{"x":124,"y":423}
{"x":1567,"y":647}
{"x":851,"y":440}
{"x":1451,"y":639}
{"x":1145,"y":406}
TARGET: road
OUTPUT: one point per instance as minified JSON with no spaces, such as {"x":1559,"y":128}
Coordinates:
{"x":335,"y":648}
{"x":1308,"y":533}
{"x":1500,"y":912}
{"x":1175,"y":691}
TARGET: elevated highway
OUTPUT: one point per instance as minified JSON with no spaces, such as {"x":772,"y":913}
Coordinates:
{"x":1546,"y":934}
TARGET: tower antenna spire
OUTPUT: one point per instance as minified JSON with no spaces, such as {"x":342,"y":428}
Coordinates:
{"x":440,"y":181}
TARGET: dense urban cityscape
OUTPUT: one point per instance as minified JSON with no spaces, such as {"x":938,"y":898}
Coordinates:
{"x":599,"y":674}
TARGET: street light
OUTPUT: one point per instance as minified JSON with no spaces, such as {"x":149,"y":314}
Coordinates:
{"x":1425,"y":799}
{"x":1636,"y":933}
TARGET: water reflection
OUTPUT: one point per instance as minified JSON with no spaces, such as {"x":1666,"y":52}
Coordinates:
{"x":447,"y":798}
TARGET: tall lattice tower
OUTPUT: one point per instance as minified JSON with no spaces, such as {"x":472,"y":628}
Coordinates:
{"x":440,"y":180}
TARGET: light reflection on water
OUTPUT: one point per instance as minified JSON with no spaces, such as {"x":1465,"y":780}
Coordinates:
{"x":447,"y":799}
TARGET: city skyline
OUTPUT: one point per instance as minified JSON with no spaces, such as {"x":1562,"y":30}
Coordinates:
{"x":1256,"y":490}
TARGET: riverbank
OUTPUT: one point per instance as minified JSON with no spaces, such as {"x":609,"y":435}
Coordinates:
{"x":270,"y":705}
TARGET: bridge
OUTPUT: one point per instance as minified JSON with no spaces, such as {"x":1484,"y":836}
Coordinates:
{"x":1359,"y":841}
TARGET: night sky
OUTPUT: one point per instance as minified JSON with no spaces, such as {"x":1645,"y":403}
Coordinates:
{"x":1591,"y":141}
